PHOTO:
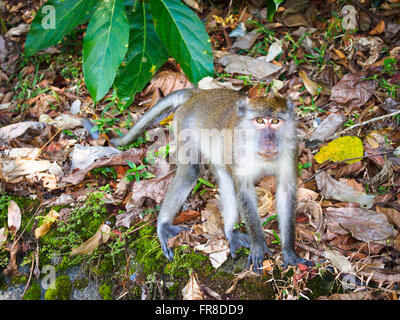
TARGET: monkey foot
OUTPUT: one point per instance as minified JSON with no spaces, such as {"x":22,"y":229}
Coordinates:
{"x":238,"y":240}
{"x":293,"y":259}
{"x":256,"y":258}
{"x":165,"y":232}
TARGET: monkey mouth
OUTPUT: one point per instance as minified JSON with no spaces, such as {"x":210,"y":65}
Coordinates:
{"x":268,"y":156}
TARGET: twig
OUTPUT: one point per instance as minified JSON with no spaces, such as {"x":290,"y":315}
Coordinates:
{"x":310,"y":249}
{"x":30,"y":276}
{"x":41,"y":149}
{"x":365,"y":122}
{"x":147,"y":223}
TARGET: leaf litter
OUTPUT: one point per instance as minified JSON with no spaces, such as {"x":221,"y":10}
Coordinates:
{"x":345,"y":86}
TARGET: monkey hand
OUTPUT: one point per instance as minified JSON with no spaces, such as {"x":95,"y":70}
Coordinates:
{"x":290,"y":257}
{"x":256,"y":257}
{"x":238,"y":240}
{"x":166,"y":231}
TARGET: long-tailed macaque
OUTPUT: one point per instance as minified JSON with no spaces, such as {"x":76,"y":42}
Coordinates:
{"x":268,"y":147}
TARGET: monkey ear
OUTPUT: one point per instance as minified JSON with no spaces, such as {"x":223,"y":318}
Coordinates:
{"x":242,"y":106}
{"x":290,"y":105}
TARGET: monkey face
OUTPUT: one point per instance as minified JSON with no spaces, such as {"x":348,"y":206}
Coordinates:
{"x":267,"y":129}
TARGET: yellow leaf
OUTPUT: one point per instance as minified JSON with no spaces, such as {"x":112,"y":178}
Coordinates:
{"x":101,"y":236}
{"x":167,"y":120}
{"x":49,"y":219}
{"x":340,"y":149}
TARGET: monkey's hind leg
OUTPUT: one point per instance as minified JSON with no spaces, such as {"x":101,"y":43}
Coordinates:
{"x":179,"y":189}
{"x":230,"y":211}
{"x":248,"y":208}
{"x":286,"y":208}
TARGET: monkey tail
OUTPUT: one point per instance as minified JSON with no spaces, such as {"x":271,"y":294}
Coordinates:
{"x":160,"y":110}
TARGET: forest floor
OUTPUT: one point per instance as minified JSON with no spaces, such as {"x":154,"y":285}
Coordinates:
{"x":79,"y":214}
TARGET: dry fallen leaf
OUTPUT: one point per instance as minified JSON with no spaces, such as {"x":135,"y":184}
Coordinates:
{"x":364,"y":225}
{"x":49,"y":219}
{"x":313,"y":87}
{"x":333,"y":189}
{"x":379,"y":29}
{"x":192,"y":289}
{"x":352,"y":89}
{"x":258,"y":68}
{"x":339,"y":261}
{"x":186,"y":216}
{"x":101,"y":236}
{"x":213,"y":222}
{"x":217,"y":249}
{"x":3,"y":236}
{"x":14,"y":217}
{"x":340,"y":149}
{"x":361,"y":295}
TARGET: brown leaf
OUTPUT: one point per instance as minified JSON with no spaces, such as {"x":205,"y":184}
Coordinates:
{"x":168,"y":82}
{"x":364,"y":225}
{"x":361,"y":295}
{"x":213,"y":222}
{"x":311,"y":86}
{"x":150,"y":188}
{"x":186,"y":216}
{"x":352,"y":90}
{"x":14,"y":217}
{"x":379,"y":28}
{"x":382,"y":275}
{"x":333,"y":189}
{"x":49,"y":219}
{"x":101,"y":236}
{"x":392,"y":215}
{"x":192,"y":289}
{"x":132,"y":154}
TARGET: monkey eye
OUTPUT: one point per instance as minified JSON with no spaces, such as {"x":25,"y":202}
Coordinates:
{"x":260,"y":120}
{"x":275,"y":121}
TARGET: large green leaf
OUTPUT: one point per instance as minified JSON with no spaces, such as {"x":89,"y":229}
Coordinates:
{"x":68,"y":14}
{"x":104,"y":46}
{"x":184,"y":36}
{"x":145,"y":54}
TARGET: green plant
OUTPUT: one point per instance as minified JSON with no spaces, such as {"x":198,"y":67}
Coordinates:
{"x":125,"y":41}
{"x":301,"y":166}
{"x":277,"y":239}
{"x":105,"y":171}
{"x":272,"y":6}
{"x":138,"y":172}
{"x":201,"y":182}
{"x":269,"y":219}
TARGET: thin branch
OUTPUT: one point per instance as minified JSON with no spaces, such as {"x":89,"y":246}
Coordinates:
{"x":364,"y":123}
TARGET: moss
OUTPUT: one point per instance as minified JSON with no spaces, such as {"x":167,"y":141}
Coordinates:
{"x":148,"y":252}
{"x":3,"y":283}
{"x":186,"y":260}
{"x":104,"y":267}
{"x":81,"y":283}
{"x":34,"y":292}
{"x":60,"y":290}
{"x":82,"y":223}
{"x":19,"y":280}
{"x":322,"y":285}
{"x":106,"y":292}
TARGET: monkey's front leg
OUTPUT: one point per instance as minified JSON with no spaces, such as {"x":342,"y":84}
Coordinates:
{"x":286,"y":208}
{"x":179,"y":189}
{"x":248,"y":208}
